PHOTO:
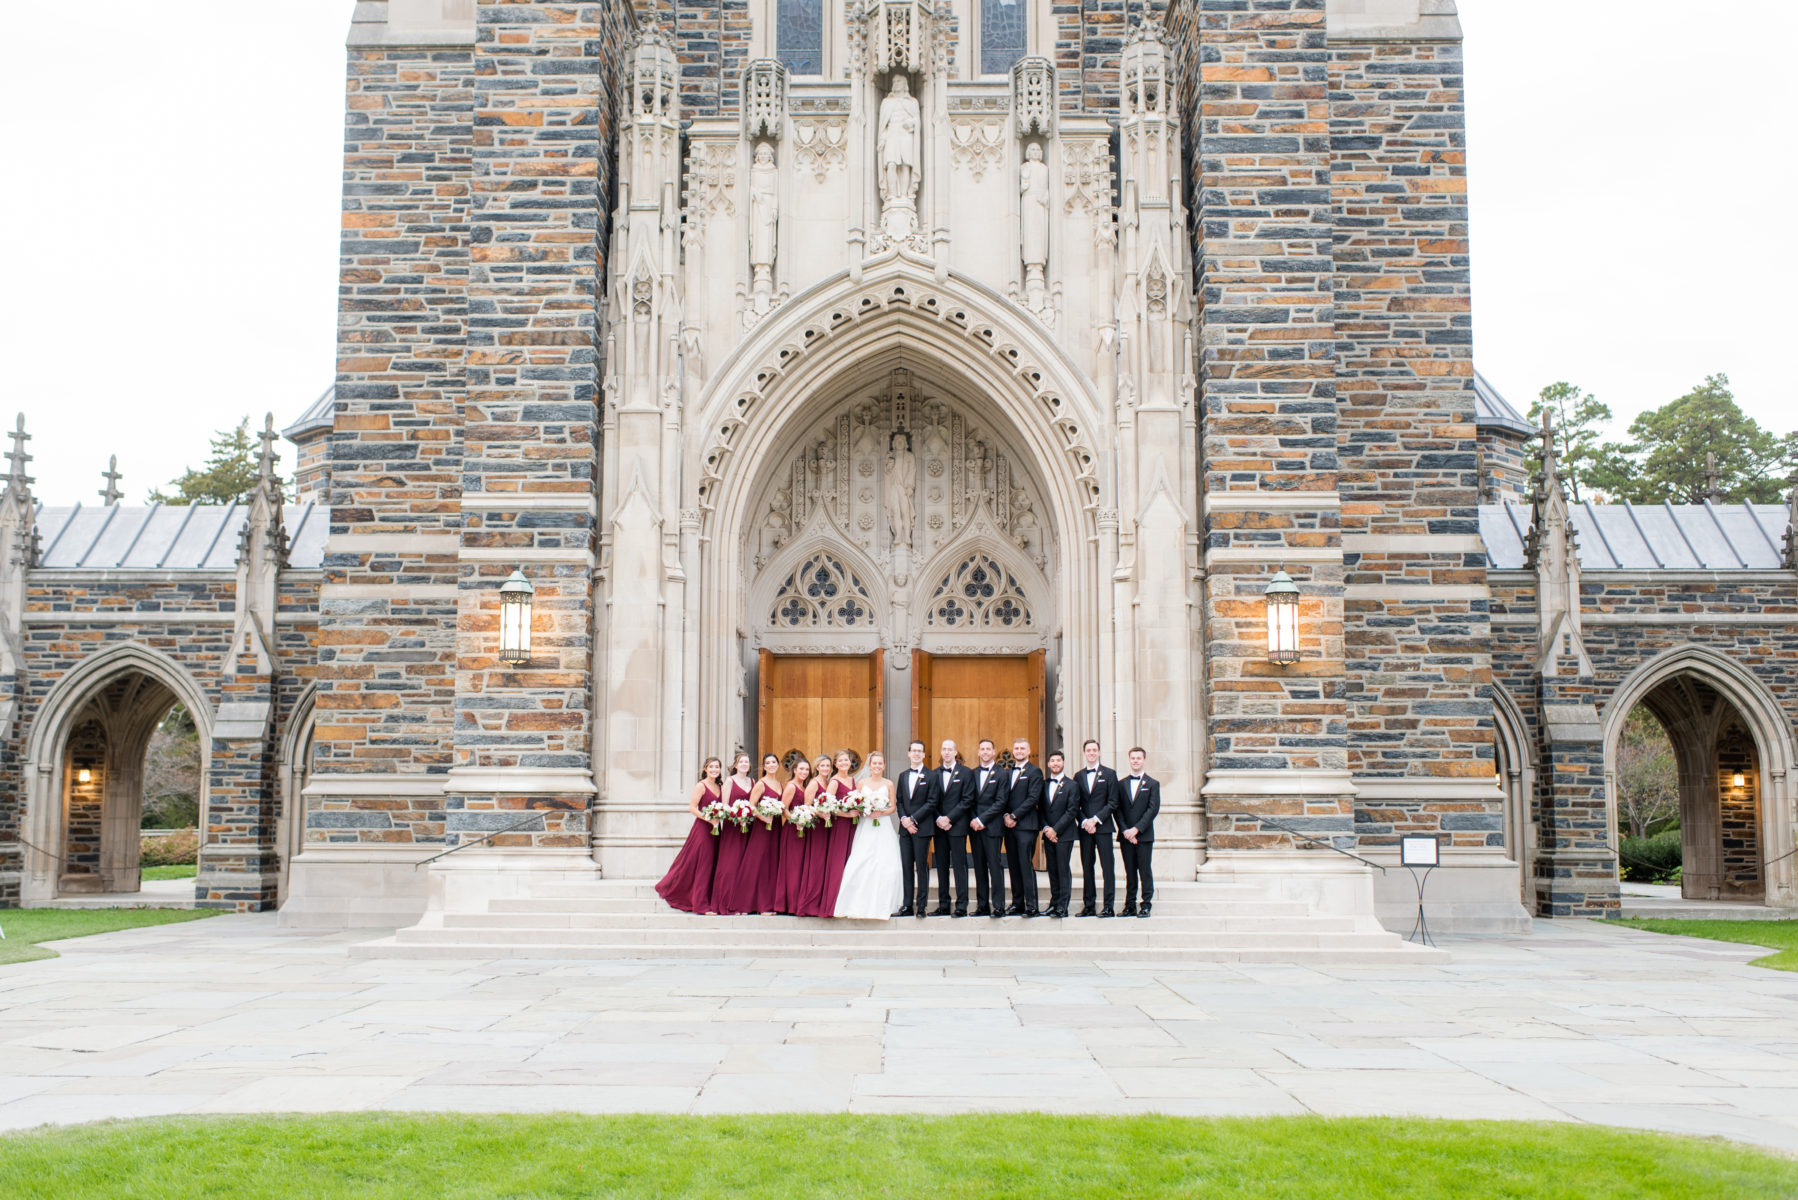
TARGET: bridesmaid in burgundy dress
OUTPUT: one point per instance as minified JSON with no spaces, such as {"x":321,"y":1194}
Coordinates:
{"x":763,"y":860}
{"x":791,"y":863}
{"x":842,"y":837}
{"x":688,"y":884}
{"x":734,"y":880}
{"x":808,"y":893}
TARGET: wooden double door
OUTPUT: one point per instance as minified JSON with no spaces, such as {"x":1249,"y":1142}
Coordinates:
{"x":818,"y":704}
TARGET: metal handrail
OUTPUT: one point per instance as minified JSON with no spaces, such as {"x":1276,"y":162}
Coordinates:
{"x":1299,"y":833}
{"x":538,"y":815}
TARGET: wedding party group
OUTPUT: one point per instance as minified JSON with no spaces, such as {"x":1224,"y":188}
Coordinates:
{"x":826,"y":842}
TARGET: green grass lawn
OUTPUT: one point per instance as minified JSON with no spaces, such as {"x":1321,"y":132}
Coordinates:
{"x":178,"y":871}
{"x":25,"y":927}
{"x":1775,"y":935}
{"x":376,"y":1155}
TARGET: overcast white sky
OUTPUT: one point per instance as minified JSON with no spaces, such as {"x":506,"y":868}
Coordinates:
{"x":171,"y":214}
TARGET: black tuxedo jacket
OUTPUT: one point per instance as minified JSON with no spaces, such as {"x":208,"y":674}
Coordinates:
{"x":924,"y":805}
{"x":989,"y":801}
{"x":955,"y":801}
{"x":1061,"y":807}
{"x":1138,"y":814}
{"x":1024,"y":799}
{"x":1101,"y":800}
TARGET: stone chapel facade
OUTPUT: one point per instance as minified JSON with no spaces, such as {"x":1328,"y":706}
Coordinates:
{"x":839,"y":372}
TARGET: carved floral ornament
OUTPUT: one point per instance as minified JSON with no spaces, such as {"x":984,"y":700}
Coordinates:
{"x":949,"y":315}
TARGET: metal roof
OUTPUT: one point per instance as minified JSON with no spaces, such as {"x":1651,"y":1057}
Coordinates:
{"x":1491,"y":408}
{"x":318,"y":415}
{"x":1651,"y":537}
{"x":177,"y":537}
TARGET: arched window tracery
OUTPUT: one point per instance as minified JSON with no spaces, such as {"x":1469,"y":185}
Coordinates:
{"x":822,"y":593}
{"x":979,"y":594}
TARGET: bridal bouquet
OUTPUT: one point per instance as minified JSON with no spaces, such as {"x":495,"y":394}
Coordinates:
{"x":864,"y":803}
{"x":743,"y":813}
{"x":769,"y":809}
{"x":717,"y":811}
{"x":802,"y":817}
{"x":828,"y":808}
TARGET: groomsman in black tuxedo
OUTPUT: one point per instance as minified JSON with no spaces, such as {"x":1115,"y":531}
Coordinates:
{"x":919,"y":797}
{"x":1139,"y":799}
{"x":1023,"y":820}
{"x":1061,"y":811}
{"x":955,"y":805}
{"x":988,"y":824}
{"x":1097,"y":784}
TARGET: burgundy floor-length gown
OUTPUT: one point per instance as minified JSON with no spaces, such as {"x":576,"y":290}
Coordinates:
{"x":688,"y":883}
{"x":807,"y":896}
{"x":789,"y":861}
{"x":762,"y":863}
{"x":732,"y":882}
{"x":837,"y":845}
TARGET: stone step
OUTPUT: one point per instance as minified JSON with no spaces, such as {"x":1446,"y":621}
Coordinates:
{"x":669,"y":919}
{"x":1701,"y":910}
{"x":1390,"y":951}
{"x":593,"y":888}
{"x":1171,"y":907}
{"x":1017,"y":933}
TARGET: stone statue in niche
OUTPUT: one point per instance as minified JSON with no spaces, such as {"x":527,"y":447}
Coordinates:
{"x":777,"y":525}
{"x":899,"y":124}
{"x":764,"y":217}
{"x":1024,"y":527}
{"x":1033,"y":191}
{"x":901,"y":488}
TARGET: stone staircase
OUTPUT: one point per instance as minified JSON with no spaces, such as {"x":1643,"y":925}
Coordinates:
{"x":610,"y":919}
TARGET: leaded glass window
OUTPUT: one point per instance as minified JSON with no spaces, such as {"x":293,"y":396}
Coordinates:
{"x":799,"y":36}
{"x":1001,"y":35}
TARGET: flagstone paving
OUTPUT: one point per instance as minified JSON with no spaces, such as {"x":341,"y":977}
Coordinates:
{"x":1575,"y":1021}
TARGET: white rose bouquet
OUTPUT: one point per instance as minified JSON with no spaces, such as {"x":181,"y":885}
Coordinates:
{"x":865,"y":803}
{"x":769,"y":809}
{"x":802,"y":817}
{"x":743,"y":813}
{"x":717,"y":812}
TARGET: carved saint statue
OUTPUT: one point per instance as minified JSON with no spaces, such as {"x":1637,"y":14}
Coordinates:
{"x":764,"y":214}
{"x":1033,"y":190}
{"x":899,"y":154}
{"x":901,"y":487}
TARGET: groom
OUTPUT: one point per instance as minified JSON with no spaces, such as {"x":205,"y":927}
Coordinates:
{"x":955,"y":804}
{"x":918,"y":800}
{"x":988,"y":825}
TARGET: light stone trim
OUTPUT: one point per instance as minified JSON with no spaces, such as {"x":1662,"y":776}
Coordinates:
{"x":1283,"y":782}
{"x":1392,"y":21}
{"x":1271,"y":501}
{"x":39,"y":575}
{"x":507,"y":502}
{"x":536,"y":781}
{"x":1485,"y":791}
{"x":529,"y":554}
{"x":1273,"y":552}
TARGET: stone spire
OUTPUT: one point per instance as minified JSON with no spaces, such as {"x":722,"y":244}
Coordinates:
{"x":261,"y":553}
{"x":1553,"y":552}
{"x":1791,"y":538}
{"x":18,"y":554}
{"x":109,"y":495}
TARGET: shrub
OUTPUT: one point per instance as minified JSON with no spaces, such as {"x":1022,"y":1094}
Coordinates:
{"x":1651,"y":859}
{"x":175,"y":849}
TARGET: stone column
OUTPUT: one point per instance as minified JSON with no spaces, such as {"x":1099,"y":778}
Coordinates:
{"x":1268,"y":449}
{"x":18,"y":551}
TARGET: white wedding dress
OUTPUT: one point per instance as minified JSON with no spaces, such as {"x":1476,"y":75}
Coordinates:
{"x":873,"y":881}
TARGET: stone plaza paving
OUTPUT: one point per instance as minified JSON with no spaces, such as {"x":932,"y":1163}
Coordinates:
{"x":1575,"y":1021}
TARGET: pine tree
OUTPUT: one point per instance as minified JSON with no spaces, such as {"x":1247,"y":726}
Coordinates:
{"x":229,"y":475}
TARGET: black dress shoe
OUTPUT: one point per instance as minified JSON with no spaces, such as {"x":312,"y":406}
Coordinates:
{"x":1129,"y":909}
{"x":1088,"y":911}
{"x":1057,"y":914}
{"x":907,"y":911}
{"x":922,"y":914}
{"x":1144,"y":910}
{"x":1031,"y":912}
{"x":983,"y":911}
{"x":1106,"y":912}
{"x":1015,"y":911}
{"x":960,"y":912}
{"x":943,"y":912}
{"x":996,"y":915}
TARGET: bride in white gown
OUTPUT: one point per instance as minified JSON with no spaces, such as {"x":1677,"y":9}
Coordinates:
{"x":872,"y":879}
